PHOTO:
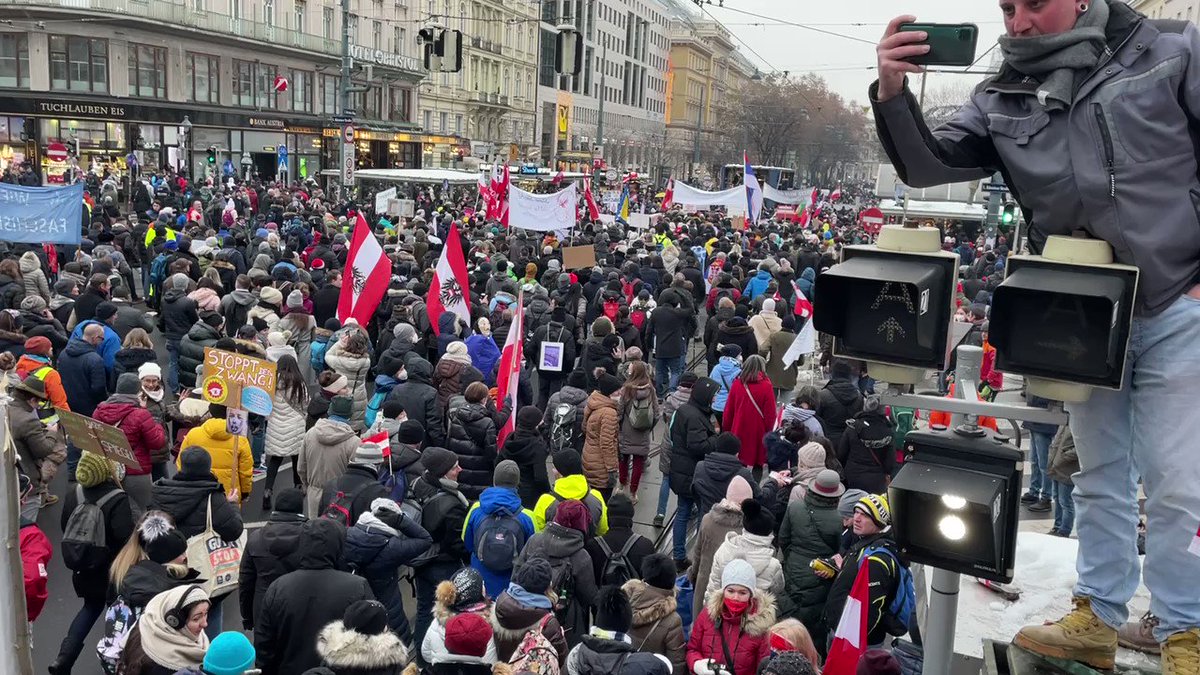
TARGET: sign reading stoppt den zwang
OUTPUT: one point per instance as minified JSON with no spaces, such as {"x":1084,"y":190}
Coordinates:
{"x":238,"y":381}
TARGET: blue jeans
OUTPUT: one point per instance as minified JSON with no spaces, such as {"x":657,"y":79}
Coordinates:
{"x":664,"y":494}
{"x":173,"y":366}
{"x":1148,"y":428}
{"x":683,"y":515}
{"x":663,"y":368}
{"x":1040,"y":484}
{"x":1064,"y":507}
{"x":81,"y":625}
{"x":73,"y":455}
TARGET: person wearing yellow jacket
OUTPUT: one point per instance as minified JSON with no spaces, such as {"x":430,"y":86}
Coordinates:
{"x":213,"y":437}
{"x":570,"y":484}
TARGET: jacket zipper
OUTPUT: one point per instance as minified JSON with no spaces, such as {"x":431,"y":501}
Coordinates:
{"x":1106,"y":136}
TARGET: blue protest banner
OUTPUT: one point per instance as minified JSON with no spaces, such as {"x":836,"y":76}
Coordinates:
{"x":41,"y":215}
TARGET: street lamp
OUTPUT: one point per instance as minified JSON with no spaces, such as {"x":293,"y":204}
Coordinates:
{"x":185,"y":130}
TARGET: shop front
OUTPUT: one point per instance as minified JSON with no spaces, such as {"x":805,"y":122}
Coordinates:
{"x":376,"y":149}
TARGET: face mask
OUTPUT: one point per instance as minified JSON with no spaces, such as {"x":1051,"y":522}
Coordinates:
{"x":154,"y":395}
{"x":736,"y":607}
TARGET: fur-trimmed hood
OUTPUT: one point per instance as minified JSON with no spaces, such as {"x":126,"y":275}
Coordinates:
{"x":756,"y":621}
{"x":500,"y":668}
{"x":340,"y":647}
{"x":649,"y":603}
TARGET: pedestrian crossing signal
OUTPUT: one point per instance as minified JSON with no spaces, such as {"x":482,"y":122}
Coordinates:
{"x":212,"y":155}
{"x":1008,"y":215}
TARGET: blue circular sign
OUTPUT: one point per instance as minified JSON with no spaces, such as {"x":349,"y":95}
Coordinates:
{"x":256,"y":400}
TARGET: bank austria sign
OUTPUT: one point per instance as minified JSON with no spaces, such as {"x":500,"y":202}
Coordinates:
{"x":382,"y":58}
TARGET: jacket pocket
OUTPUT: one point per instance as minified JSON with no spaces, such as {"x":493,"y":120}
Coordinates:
{"x":1017,"y":130}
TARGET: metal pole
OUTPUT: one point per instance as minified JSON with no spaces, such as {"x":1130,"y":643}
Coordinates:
{"x":603,"y":74}
{"x":940,"y":622}
{"x":345,"y":84}
{"x":696,"y":138}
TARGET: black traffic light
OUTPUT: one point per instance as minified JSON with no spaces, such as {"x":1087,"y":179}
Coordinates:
{"x":955,"y":500}
{"x":1008,"y":215}
{"x":568,"y":51}
{"x":212,"y":154}
{"x":448,"y":47}
{"x":887,"y":306}
{"x":1063,"y":321}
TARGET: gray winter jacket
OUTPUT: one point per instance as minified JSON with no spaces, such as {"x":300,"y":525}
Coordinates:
{"x":1117,"y":164}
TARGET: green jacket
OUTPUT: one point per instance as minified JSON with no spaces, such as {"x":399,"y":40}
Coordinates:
{"x":810,"y":529}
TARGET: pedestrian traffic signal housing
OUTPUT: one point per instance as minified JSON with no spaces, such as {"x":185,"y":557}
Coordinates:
{"x":1063,"y":321}
{"x":212,"y":155}
{"x":888,"y":306}
{"x":955,"y":502}
{"x":1008,"y":215}
{"x":568,"y":51}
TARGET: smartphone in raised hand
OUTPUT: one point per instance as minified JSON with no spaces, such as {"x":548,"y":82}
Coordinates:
{"x":949,"y":44}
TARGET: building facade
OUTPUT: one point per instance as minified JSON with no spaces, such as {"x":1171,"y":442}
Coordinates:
{"x":115,"y":80}
{"x":491,"y":100}
{"x":1184,"y":10}
{"x":624,"y":64}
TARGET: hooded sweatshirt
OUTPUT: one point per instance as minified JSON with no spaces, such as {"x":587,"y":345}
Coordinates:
{"x":492,"y":501}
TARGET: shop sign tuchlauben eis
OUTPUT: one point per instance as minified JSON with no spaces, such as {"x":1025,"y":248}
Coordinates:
{"x":81,"y":109}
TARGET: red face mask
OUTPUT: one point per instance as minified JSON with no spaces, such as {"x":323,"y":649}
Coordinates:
{"x":781,"y":644}
{"x":736,"y":607}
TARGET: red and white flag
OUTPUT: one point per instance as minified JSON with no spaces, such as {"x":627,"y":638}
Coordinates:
{"x":378,"y":440}
{"x":802,"y":307}
{"x":494,"y":193}
{"x":558,"y":177}
{"x":836,"y":194}
{"x":509,"y":375}
{"x":485,"y":193}
{"x":812,"y":200}
{"x":449,"y":288}
{"x":669,"y":195}
{"x":368,"y":271}
{"x":593,"y":209}
{"x":850,"y":638}
{"x":502,"y":198}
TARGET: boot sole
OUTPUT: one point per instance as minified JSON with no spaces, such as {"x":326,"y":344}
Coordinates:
{"x":1145,"y":649}
{"x":1101,"y":661}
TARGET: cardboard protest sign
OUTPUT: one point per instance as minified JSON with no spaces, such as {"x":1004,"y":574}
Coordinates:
{"x":97,"y":438}
{"x":579,"y":257}
{"x":238,"y":381}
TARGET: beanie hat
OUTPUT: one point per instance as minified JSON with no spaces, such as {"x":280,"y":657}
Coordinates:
{"x":366,"y":617}
{"x":230,"y":653}
{"x":849,"y":499}
{"x":613,"y":611}
{"x":878,"y":662}
{"x":811,"y":455}
{"x":332,"y":324}
{"x":872,"y":403}
{"x":827,"y":484}
{"x":195,"y":461}
{"x":739,"y":490}
{"x":573,"y":514}
{"x":875,"y":507}
{"x":457,"y":348}
{"x":567,"y":462}
{"x":179,"y":282}
{"x":160,"y":540}
{"x":437,"y":461}
{"x":788,"y":663}
{"x":295,"y":300}
{"x":688,"y":379}
{"x":608,"y":384}
{"x":368,"y":454}
{"x":289,"y":500}
{"x":149,"y":369}
{"x":128,"y":383}
{"x":270,"y":295}
{"x":738,"y":572}
{"x":410,"y":432}
{"x":768,"y":305}
{"x":507,"y":474}
{"x":38,"y":345}
{"x":33,"y":304}
{"x":105,"y":311}
{"x":528,"y":417}
{"x":405,"y":333}
{"x":756,"y":519}
{"x":468,"y":592}
{"x":731,"y":350}
{"x":64,"y":286}
{"x":341,"y":406}
{"x":727,"y":443}
{"x":468,"y":634}
{"x":92,"y":470}
{"x":658,"y":570}
{"x":578,"y":379}
{"x":535,"y":575}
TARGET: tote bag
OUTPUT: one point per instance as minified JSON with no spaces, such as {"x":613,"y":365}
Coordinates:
{"x":217,"y":560}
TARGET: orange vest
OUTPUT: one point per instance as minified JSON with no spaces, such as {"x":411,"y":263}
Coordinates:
{"x":939,"y":418}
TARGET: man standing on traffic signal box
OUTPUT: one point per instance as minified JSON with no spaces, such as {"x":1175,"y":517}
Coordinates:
{"x":1093,"y":122}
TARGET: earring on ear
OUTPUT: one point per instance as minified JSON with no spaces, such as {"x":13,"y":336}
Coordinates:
{"x":1083,"y":7}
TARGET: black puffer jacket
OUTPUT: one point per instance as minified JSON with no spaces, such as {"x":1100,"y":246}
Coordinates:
{"x":360,"y":481}
{"x":419,"y":398}
{"x":191,"y":351}
{"x":378,"y":544}
{"x":472,"y":436}
{"x":443,"y":517}
{"x":34,"y":325}
{"x":130,"y":359}
{"x":712,"y":477}
{"x":691,"y":435}
{"x":865,"y":450}
{"x":529,"y":449}
{"x":178,"y":314}
{"x":11,"y":292}
{"x":839,"y":401}
{"x":736,"y":331}
{"x":185,"y":497}
{"x":118,"y":525}
{"x":596,"y":356}
{"x":272,"y":551}
{"x":598,"y":656}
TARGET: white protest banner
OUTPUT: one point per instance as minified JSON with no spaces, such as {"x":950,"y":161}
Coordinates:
{"x":783,"y":196}
{"x":733,"y":199}
{"x":639,"y":221}
{"x":542,"y":213}
{"x":805,"y":343}
{"x":381,"y":199}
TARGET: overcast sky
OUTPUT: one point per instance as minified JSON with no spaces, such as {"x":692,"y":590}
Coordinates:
{"x":843,"y":62}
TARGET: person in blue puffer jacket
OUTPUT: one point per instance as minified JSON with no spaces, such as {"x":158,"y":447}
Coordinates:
{"x":383,"y":540}
{"x":502,"y":496}
{"x":758,"y":284}
{"x":728,"y":367}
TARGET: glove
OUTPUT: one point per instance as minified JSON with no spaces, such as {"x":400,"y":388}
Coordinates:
{"x":704,"y":667}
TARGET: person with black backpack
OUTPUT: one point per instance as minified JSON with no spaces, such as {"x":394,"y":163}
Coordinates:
{"x":563,"y":416}
{"x":97,"y":520}
{"x":348,"y":496}
{"x":617,"y":556}
{"x":497,"y":528}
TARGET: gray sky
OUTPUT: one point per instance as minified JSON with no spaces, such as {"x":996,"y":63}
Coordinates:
{"x":842,"y":62}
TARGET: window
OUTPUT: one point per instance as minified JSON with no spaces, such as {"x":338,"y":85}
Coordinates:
{"x":400,"y":107}
{"x":14,"y":60}
{"x":428,"y":120}
{"x":264,"y":85}
{"x":458,"y":122}
{"x":377,"y":34}
{"x":78,"y":64}
{"x":372,"y":103}
{"x":203,"y":78}
{"x":302,"y":91}
{"x":402,"y":46}
{"x":298,"y":11}
{"x":327,"y":22}
{"x":353,"y":25}
{"x":243,"y":83}
{"x":396,"y":39}
{"x":442,"y":125}
{"x":147,"y":71}
{"x":269,"y":13}
{"x":331,"y":94}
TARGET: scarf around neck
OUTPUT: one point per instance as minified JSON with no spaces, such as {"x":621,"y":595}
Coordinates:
{"x":1061,"y":61}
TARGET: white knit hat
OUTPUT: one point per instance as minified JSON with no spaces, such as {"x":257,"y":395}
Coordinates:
{"x":738,"y":572}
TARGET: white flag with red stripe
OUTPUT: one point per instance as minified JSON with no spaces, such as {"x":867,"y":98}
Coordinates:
{"x":502,"y":198}
{"x":449,"y":288}
{"x":802,"y":307}
{"x":850,"y":638}
{"x":669,"y":195}
{"x":593,"y":209}
{"x":485,"y":193}
{"x":509,"y":375}
{"x":368,"y":271}
{"x":836,"y":194}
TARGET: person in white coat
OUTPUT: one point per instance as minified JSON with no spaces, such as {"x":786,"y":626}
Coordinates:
{"x":285,"y":426}
{"x":755,"y":545}
{"x":764,"y":324}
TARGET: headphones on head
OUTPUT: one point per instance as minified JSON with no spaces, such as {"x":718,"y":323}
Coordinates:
{"x":177,"y":617}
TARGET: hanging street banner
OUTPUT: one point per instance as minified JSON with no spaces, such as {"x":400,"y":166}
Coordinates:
{"x":542,"y":213}
{"x":783,"y":196}
{"x":733,"y":199}
{"x":41,"y":215}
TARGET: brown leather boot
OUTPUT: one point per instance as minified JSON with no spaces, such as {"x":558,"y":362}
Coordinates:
{"x":1139,"y":635}
{"x":1078,"y":636}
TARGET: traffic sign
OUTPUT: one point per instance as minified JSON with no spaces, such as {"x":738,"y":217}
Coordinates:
{"x":872,"y":220}
{"x":57,"y":152}
{"x":342,"y":119}
{"x":348,"y":133}
{"x":611,"y":175}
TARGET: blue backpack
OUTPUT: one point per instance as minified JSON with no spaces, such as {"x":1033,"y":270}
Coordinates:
{"x":158,"y":272}
{"x":904,"y":604}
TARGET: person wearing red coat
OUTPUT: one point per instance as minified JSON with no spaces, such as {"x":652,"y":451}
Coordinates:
{"x":735,"y":625}
{"x":750,"y":411}
{"x":36,"y":552}
{"x":146,"y":436}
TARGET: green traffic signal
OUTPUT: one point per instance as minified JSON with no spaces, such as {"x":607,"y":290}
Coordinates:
{"x":1008,"y":215}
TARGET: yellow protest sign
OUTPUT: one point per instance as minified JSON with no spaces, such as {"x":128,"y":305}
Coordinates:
{"x":236,"y":380}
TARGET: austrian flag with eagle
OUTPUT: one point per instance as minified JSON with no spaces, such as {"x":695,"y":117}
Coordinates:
{"x":447,"y":291}
{"x":368,"y":270}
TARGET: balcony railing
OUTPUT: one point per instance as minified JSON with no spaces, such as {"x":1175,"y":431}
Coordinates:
{"x":177,"y":13}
